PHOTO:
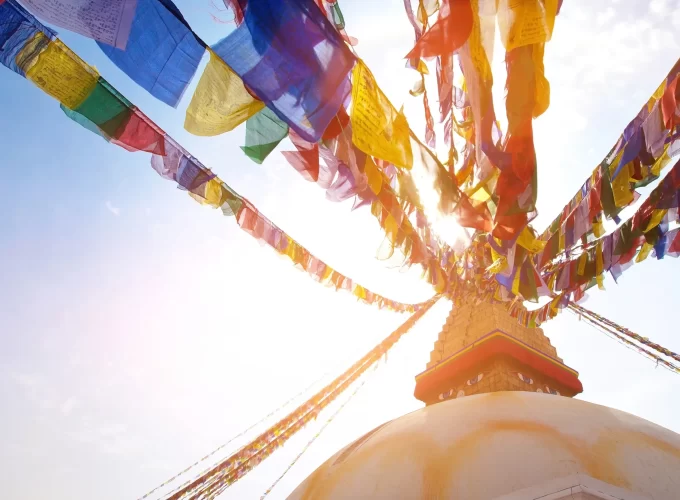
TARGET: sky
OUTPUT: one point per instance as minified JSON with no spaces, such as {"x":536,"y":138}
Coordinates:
{"x":140,"y":330}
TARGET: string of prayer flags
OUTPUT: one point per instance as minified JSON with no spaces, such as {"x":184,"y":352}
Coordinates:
{"x":221,"y":102}
{"x":162,"y":53}
{"x":93,"y":103}
{"x":646,"y":146}
{"x":110,"y":115}
{"x":261,"y":228}
{"x":316,"y":436}
{"x":234,"y":467}
{"x":107,"y":21}
{"x":264,"y":131}
{"x":625,"y":331}
{"x":646,"y":232}
{"x":621,"y":335}
{"x":291,"y":57}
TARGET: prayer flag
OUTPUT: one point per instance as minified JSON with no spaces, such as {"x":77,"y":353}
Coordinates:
{"x":60,"y":73}
{"x":525,"y":22}
{"x":18,"y":42}
{"x":162,"y":53}
{"x":292,"y":58}
{"x":220,"y":102}
{"x":377,"y":128}
{"x":447,"y":34}
{"x":108,"y":21}
{"x":264,"y":131}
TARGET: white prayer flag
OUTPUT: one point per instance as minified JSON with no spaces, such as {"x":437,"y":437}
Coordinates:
{"x":107,"y":21}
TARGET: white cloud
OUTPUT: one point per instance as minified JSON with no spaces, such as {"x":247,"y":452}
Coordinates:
{"x":658,"y":6}
{"x":114,"y":210}
{"x":67,"y":406}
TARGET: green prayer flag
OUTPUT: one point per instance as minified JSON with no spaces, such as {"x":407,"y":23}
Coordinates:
{"x":264,"y":131}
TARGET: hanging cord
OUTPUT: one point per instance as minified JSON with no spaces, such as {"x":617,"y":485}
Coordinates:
{"x":238,"y":464}
{"x":323,"y":427}
{"x":628,"y":333}
{"x":233,"y":438}
{"x":627,"y":343}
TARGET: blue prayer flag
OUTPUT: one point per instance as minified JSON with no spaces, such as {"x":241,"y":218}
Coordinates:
{"x":17,"y":27}
{"x":162,"y":53}
{"x":292,"y":58}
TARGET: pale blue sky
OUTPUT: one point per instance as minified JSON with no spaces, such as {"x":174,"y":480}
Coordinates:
{"x":140,"y":330}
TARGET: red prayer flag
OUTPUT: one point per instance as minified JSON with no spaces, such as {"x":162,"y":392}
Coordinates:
{"x":139,"y":133}
{"x":448,"y":33}
{"x":306,"y":159}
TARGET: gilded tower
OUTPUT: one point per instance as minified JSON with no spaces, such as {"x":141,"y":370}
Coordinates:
{"x":481,"y":348}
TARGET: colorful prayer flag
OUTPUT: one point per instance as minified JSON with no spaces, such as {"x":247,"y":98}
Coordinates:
{"x":108,"y":21}
{"x":220,"y":102}
{"x":292,"y":58}
{"x":162,"y":53}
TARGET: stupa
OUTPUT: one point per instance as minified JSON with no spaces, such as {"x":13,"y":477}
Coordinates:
{"x":500,"y":422}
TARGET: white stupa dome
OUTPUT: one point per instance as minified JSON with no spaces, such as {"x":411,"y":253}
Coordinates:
{"x":505,"y":445}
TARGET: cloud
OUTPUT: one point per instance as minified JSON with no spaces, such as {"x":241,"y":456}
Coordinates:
{"x":114,"y":210}
{"x":658,"y":6}
{"x":67,"y":406}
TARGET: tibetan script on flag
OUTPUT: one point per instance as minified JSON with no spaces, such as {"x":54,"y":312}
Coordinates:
{"x":106,"y":21}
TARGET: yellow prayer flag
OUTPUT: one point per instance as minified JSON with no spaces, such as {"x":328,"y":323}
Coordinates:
{"x":644,"y":252}
{"x":214,"y":192}
{"x":658,"y":94}
{"x":598,"y":227}
{"x":221,"y":101}
{"x":391,"y":228}
{"x":57,"y":71}
{"x":326,"y":274}
{"x":498,"y":266}
{"x":599,"y":265}
{"x":621,"y":187}
{"x":582,"y":261}
{"x":661,"y":162}
{"x":440,"y":285}
{"x":480,"y":195}
{"x":528,"y":240}
{"x":373,"y":175}
{"x":377,"y":128}
{"x":657,"y":217}
{"x":524,"y":22}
